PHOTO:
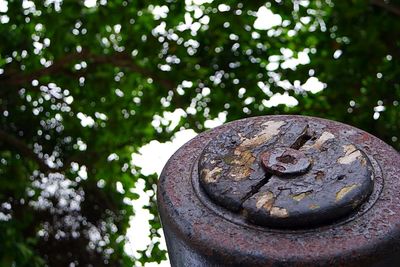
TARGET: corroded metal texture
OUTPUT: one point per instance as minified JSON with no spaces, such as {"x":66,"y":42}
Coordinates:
{"x":284,"y":161}
{"x":282,"y":191}
{"x":286,"y":173}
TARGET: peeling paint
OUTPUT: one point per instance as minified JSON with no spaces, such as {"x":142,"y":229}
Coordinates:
{"x":241,"y":165}
{"x":344,"y":191}
{"x":325,"y":136}
{"x":279,"y":212}
{"x":351,"y":154}
{"x":299,"y":197}
{"x":279,"y":174}
{"x":211,"y":176}
{"x":266,"y":201}
{"x":271,"y":129}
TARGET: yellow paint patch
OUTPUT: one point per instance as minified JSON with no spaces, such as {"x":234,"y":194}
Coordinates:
{"x":238,"y":173}
{"x":243,"y":158}
{"x":279,"y":212}
{"x":241,"y":165}
{"x":314,"y":206}
{"x":299,"y":197}
{"x":266,"y":201}
{"x":351,"y":154}
{"x":211,"y":176}
{"x":344,"y":191}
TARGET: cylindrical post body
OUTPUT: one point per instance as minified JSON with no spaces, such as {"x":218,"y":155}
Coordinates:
{"x":282,"y":191}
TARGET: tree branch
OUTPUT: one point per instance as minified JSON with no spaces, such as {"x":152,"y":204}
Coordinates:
{"x":124,"y":60}
{"x":119,"y":59}
{"x":81,"y":158}
{"x":391,"y":8}
{"x":23,"y":149}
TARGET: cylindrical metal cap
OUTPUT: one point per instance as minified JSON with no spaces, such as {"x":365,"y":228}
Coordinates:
{"x":286,"y":173}
{"x":282,"y":190}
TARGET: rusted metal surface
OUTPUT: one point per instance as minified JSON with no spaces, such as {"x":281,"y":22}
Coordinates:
{"x":286,"y":173}
{"x":285,"y":161}
{"x":282,"y":191}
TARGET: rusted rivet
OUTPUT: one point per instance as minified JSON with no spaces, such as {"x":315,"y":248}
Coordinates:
{"x":284,"y":161}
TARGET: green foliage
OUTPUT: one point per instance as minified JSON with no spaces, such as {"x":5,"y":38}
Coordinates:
{"x":80,"y":87}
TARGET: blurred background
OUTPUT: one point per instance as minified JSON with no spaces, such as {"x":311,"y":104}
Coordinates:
{"x":96,"y":95}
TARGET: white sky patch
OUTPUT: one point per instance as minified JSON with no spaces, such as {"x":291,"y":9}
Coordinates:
{"x":266,"y":19}
{"x":4,"y":19}
{"x":377,"y":111}
{"x":28,"y":4}
{"x":272,"y":66}
{"x":3,"y":6}
{"x":223,"y":8}
{"x":151,"y":159}
{"x":86,"y":121}
{"x":217,"y":121}
{"x":83,"y":172}
{"x":265,"y":88}
{"x":313,"y":85}
{"x":90,"y":3}
{"x":280,"y":99}
{"x":170,"y":119}
{"x":197,"y":2}
{"x":187,"y":84}
{"x":153,"y":156}
{"x":139,"y":230}
{"x":159,"y":12}
{"x":379,"y":108}
{"x":4,"y":217}
{"x":285,"y":84}
{"x":287,"y":60}
{"x":291,"y":62}
{"x":160,"y":29}
{"x":337,"y":54}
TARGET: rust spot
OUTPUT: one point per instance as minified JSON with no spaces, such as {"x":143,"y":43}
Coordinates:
{"x":319,"y":175}
{"x":363,"y":161}
{"x":314,"y":206}
{"x":351,"y":154}
{"x":266,"y":201}
{"x":211,"y":176}
{"x":299,"y":197}
{"x":344,"y":191}
{"x":287,"y":159}
{"x":279,"y":212}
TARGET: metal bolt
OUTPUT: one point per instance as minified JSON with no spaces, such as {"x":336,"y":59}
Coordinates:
{"x":283,"y":161}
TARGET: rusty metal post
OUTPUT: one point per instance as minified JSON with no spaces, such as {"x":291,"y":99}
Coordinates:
{"x":282,"y":191}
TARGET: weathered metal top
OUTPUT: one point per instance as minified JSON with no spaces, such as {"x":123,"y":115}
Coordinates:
{"x":202,"y":231}
{"x":286,"y":173}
